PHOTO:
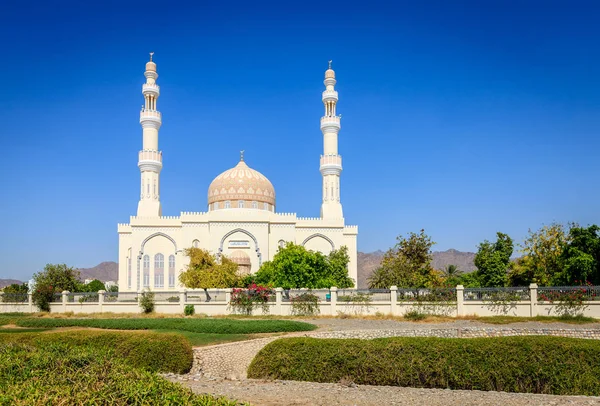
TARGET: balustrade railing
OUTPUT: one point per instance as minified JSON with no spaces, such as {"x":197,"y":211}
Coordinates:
{"x":489,"y":294}
{"x":554,"y":293}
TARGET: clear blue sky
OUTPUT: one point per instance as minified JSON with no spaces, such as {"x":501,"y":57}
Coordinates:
{"x":460,"y":117}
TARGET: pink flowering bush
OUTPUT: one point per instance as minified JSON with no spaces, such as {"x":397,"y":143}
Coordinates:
{"x":244,"y":301}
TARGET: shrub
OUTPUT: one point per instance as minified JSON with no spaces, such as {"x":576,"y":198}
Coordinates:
{"x":415,"y":315}
{"x":189,"y":310}
{"x":244,"y":301}
{"x":358,"y":302}
{"x":147,"y":302}
{"x":216,"y":326}
{"x":62,"y":374}
{"x":305,"y":304}
{"x":551,"y":365}
{"x":156,"y":352}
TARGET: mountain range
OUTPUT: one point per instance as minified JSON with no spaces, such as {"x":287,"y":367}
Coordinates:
{"x":367,"y":263}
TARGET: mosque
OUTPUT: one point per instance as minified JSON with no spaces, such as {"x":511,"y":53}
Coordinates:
{"x":241,"y":220}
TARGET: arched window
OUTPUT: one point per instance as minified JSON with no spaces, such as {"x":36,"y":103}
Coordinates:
{"x":240,"y":204}
{"x":196,"y":244}
{"x":281,"y":244}
{"x":215,"y":206}
{"x":266,"y":206}
{"x":159,"y":271}
{"x":227,"y":204}
{"x":146,"y":271}
{"x":171,"y":271}
{"x":255,"y":205}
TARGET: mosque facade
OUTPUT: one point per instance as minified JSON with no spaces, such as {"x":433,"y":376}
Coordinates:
{"x":241,"y":220}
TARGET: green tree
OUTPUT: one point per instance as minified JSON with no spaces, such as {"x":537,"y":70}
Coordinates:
{"x":16,"y":288}
{"x":407,"y":264}
{"x":492,"y":261}
{"x":204,"y":271}
{"x":53,"y":279}
{"x":93,"y":286}
{"x":581,"y":257}
{"x":296,"y":267}
{"x":542,"y":258}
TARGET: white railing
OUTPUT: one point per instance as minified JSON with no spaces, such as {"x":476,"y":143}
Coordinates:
{"x":150,"y":155}
{"x":331,"y":160}
{"x":459,"y":301}
{"x":150,"y":113}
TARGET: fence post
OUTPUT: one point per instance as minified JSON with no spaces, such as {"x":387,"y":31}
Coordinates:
{"x":182,"y":299}
{"x":278,"y":301}
{"x":533,"y":310}
{"x":30,"y":301}
{"x":394,"y":300}
{"x":65,"y":298}
{"x":334,"y":296}
{"x":460,"y":300}
{"x":101,"y":299}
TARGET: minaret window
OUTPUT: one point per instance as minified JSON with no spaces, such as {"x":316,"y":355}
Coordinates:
{"x":159,"y":271}
{"x":171,"y":271}
{"x":146,"y":271}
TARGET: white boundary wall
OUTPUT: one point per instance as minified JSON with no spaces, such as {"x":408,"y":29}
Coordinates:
{"x":385,"y":302}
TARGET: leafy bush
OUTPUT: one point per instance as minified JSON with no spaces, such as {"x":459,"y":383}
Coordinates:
{"x":147,"y":302}
{"x":551,"y":365}
{"x":305,"y":304}
{"x":415,"y":315}
{"x":568,"y":302}
{"x":358,"y":301}
{"x":189,"y":310}
{"x":218,"y":326}
{"x":53,"y":279}
{"x":60,"y":374}
{"x":156,"y":352}
{"x":244,"y":301}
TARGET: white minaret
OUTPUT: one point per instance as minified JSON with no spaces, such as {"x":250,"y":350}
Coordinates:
{"x":331,"y":161}
{"x":150,"y":158}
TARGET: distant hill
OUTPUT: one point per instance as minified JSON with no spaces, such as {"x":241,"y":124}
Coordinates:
{"x":369,"y":262}
{"x":6,"y":282}
{"x":105,"y":271}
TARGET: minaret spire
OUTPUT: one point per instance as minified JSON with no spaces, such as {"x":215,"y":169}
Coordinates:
{"x":331,"y":161}
{"x":150,"y":158}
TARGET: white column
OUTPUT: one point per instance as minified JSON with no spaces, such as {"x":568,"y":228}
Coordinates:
{"x":460,"y":300}
{"x":65,"y":299}
{"x":182,"y":299}
{"x":394,"y":300}
{"x":101,"y":300}
{"x":533,"y":300}
{"x":334,"y":295}
{"x":278,"y":302}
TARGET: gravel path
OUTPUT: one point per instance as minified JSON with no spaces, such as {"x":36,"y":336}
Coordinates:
{"x":221,"y":370}
{"x":292,"y":393}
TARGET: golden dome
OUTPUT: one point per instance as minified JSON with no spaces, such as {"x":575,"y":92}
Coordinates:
{"x":241,"y":187}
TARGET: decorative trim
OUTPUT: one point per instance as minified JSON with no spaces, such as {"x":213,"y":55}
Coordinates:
{"x":156,"y":235}
{"x":241,"y":230}
{"x":319,"y":235}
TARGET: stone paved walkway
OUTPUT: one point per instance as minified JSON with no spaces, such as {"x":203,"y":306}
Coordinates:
{"x":221,"y":369}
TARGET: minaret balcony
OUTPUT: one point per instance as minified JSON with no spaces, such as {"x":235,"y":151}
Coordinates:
{"x":150,"y":118}
{"x":329,"y":124}
{"x":330,"y":95}
{"x":331,"y":165}
{"x":150,"y":160}
{"x":151,"y":89}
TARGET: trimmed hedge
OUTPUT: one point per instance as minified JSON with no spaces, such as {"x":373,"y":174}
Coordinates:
{"x":535,"y":364}
{"x":155,"y":352}
{"x":62,"y":374}
{"x":217,"y":326}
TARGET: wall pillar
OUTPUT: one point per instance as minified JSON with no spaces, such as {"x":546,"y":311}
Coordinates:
{"x":65,"y":299}
{"x":533,"y":299}
{"x":334,"y":295}
{"x":278,"y":301}
{"x":101,"y":300}
{"x":30,"y":301}
{"x":460,"y":300}
{"x":394,"y":300}
{"x":182,"y":299}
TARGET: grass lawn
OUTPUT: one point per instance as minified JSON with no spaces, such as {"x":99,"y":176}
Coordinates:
{"x":202,"y":339}
{"x":195,"y":325}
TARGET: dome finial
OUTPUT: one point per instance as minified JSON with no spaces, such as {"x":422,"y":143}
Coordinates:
{"x":329,"y":63}
{"x":241,"y":155}
{"x":151,"y":53}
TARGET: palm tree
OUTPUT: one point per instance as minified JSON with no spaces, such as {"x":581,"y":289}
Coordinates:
{"x":452,"y":271}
